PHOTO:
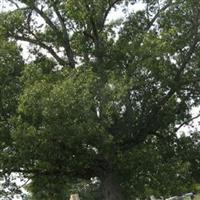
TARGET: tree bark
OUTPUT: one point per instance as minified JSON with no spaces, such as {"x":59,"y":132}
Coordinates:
{"x":110,"y":188}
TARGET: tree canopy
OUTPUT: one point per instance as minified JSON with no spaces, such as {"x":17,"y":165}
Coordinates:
{"x":101,"y":101}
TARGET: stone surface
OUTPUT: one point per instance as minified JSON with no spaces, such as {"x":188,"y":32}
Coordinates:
{"x":74,"y":197}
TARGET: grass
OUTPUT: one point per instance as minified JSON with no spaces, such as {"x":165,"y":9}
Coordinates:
{"x":197,"y":197}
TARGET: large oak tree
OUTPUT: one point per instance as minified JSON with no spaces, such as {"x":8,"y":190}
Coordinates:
{"x":96,"y":89}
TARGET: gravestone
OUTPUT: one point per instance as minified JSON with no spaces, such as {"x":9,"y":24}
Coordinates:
{"x":152,"y":197}
{"x":74,"y":197}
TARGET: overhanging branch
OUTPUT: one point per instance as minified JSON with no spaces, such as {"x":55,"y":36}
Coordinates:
{"x":187,"y":122}
{"x":66,"y":41}
{"x":44,"y":46}
{"x":158,"y":14}
{"x":111,"y":4}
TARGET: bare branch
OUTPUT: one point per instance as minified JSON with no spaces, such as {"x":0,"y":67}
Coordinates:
{"x":67,"y":45}
{"x":112,"y":3}
{"x":187,"y":122}
{"x":46,"y":18}
{"x":158,"y":14}
{"x":14,"y":3}
{"x":44,"y":46}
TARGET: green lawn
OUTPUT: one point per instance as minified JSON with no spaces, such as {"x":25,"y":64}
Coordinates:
{"x":197,"y":197}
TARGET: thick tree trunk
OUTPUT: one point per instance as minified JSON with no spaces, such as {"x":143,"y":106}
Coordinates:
{"x":110,"y":188}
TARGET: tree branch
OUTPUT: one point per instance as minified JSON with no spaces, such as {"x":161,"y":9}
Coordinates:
{"x":14,"y":3}
{"x":67,"y":45}
{"x":85,"y":173}
{"x":187,"y":122}
{"x":95,"y":36}
{"x":43,"y":45}
{"x":110,"y":6}
{"x":146,"y":126}
{"x":158,"y":14}
{"x":45,"y":17}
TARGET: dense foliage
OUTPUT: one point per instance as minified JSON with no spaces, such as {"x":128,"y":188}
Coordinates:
{"x":99,"y":105}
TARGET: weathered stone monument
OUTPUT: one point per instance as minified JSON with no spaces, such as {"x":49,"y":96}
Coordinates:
{"x":74,"y":197}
